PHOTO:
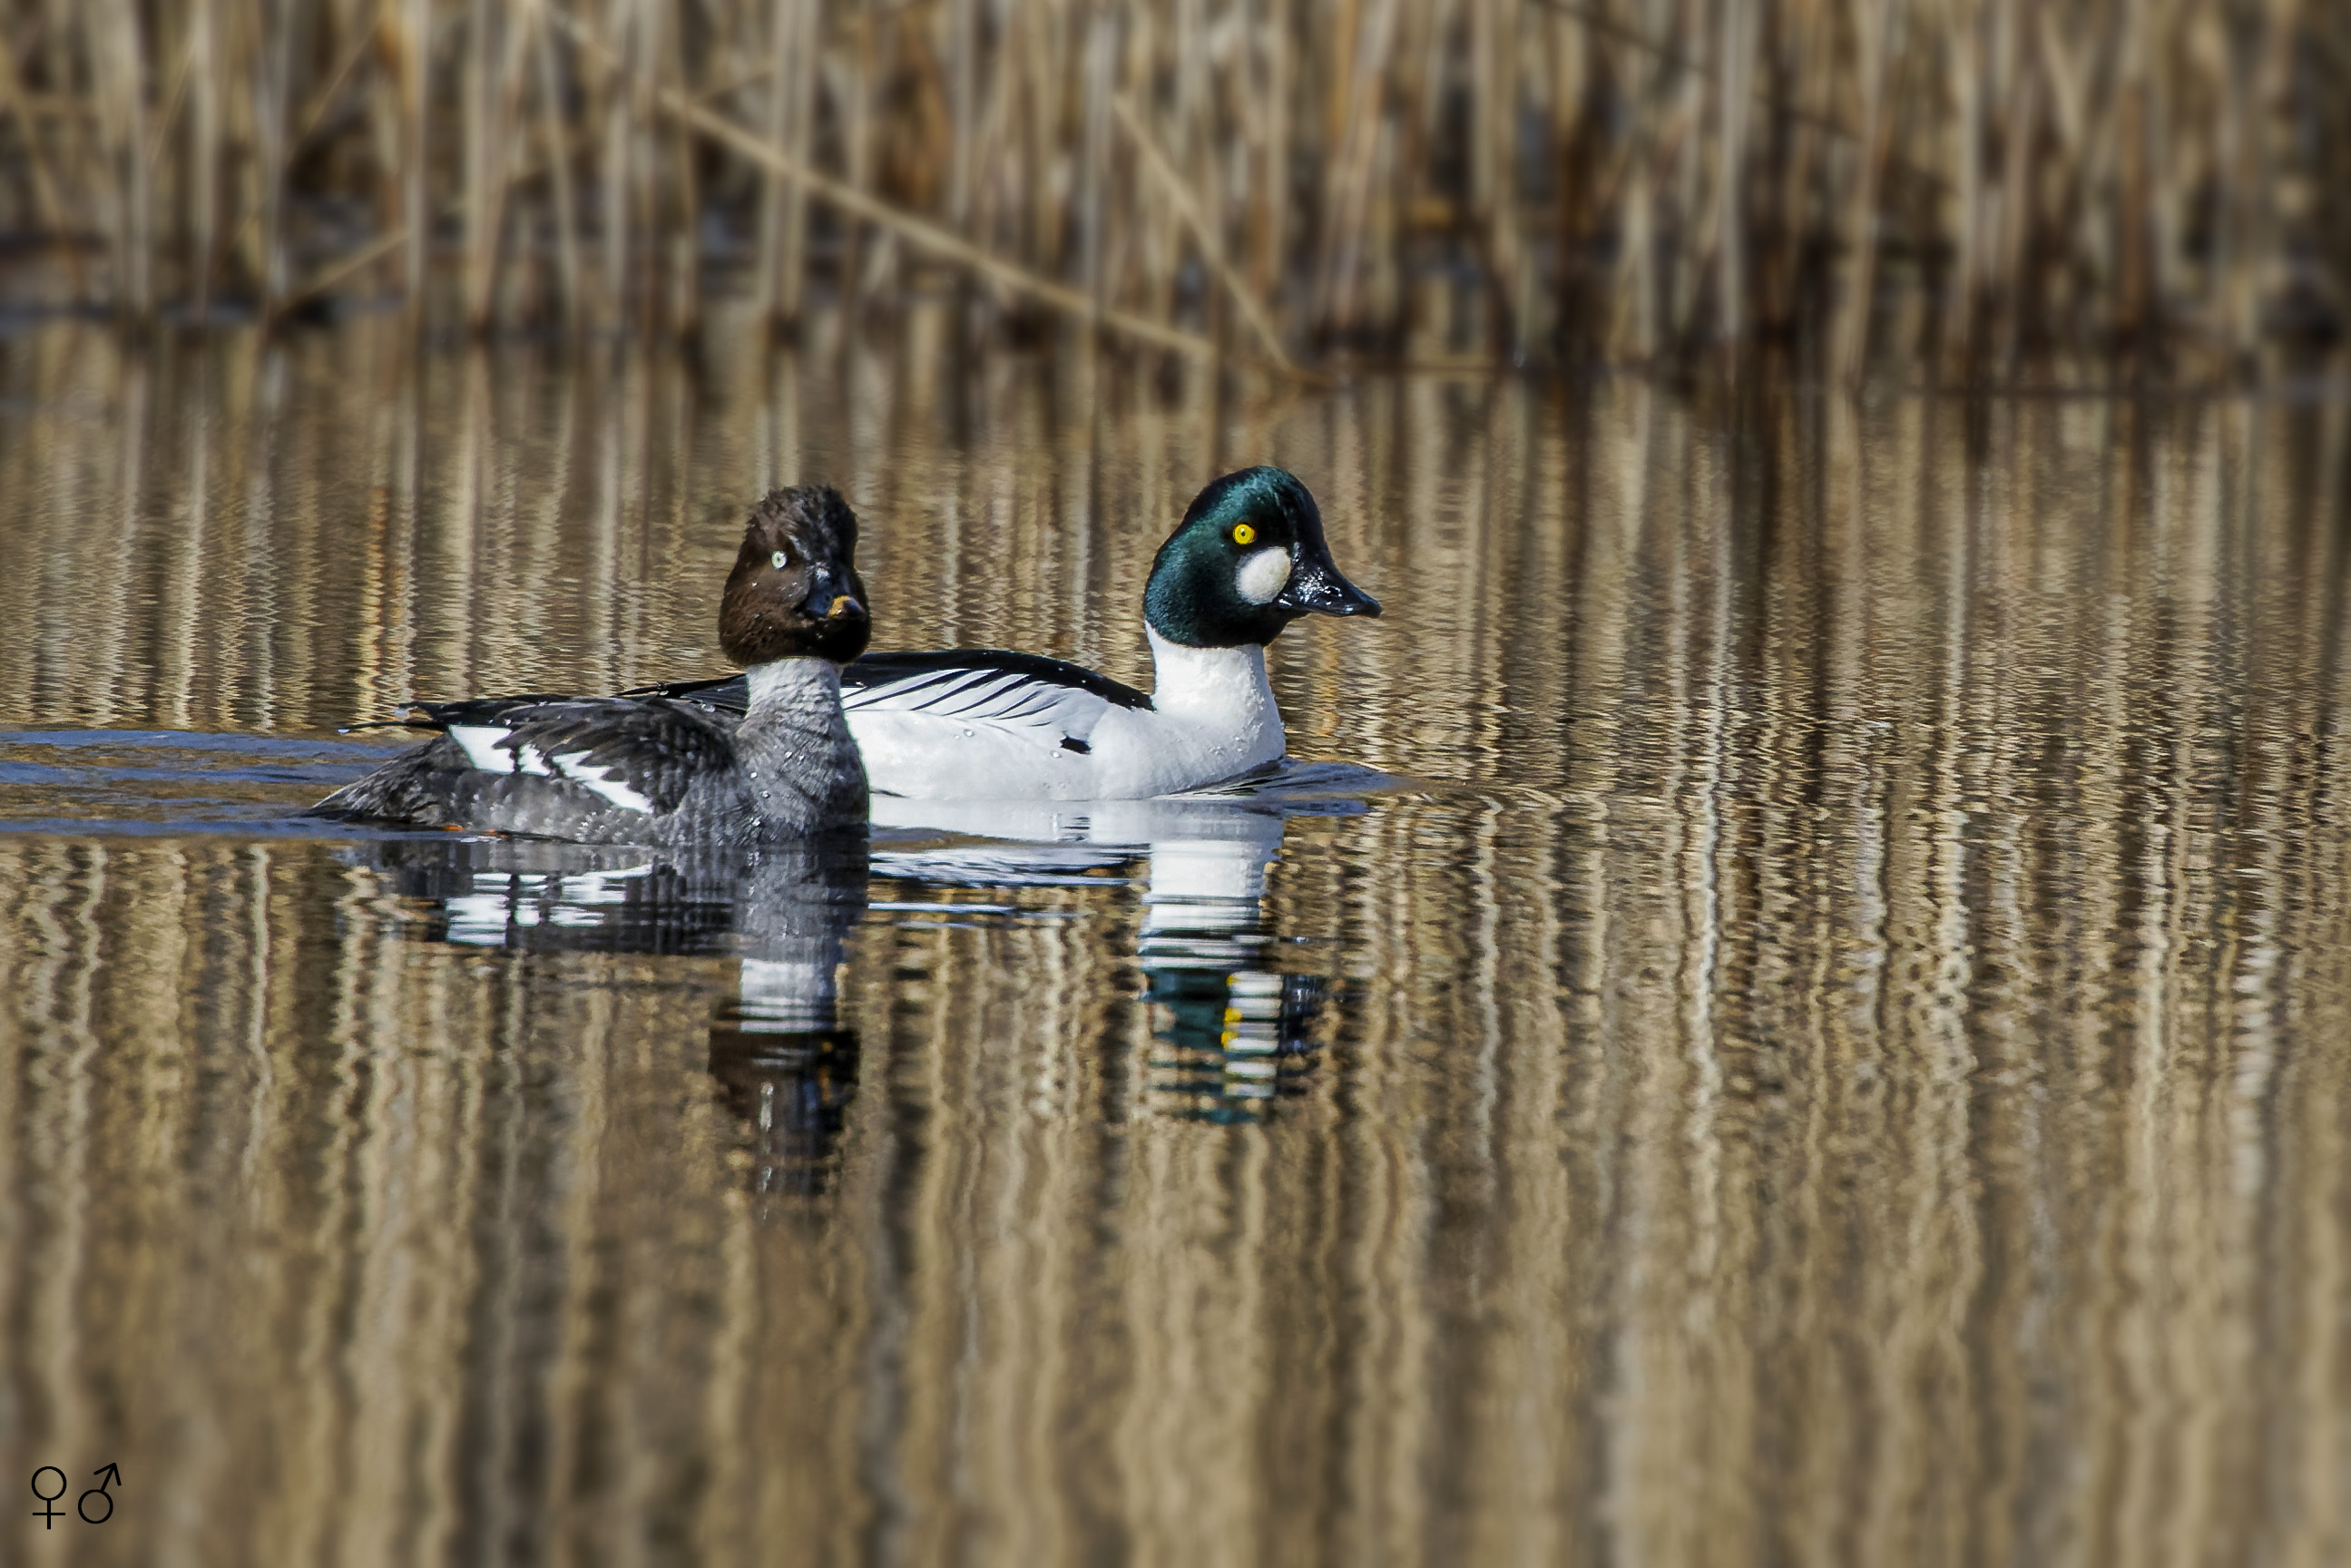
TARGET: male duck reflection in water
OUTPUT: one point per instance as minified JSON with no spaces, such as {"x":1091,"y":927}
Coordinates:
{"x":653,"y":770}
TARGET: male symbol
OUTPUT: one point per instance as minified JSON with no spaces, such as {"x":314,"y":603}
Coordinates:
{"x":48,"y":1515}
{"x":81,"y":1503}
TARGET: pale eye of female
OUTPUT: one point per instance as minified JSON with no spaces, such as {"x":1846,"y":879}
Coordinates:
{"x":1243,"y":534}
{"x":780,"y":560}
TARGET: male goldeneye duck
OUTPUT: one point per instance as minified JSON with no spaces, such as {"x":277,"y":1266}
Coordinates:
{"x":655,"y":770}
{"x":982,"y":724}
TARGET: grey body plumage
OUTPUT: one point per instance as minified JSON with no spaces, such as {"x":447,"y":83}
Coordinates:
{"x":655,"y":770}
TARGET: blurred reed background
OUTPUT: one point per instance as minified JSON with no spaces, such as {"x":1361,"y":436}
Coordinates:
{"x":1979,"y":187}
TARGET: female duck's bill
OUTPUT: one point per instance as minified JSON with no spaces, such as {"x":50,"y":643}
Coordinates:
{"x":650,"y":769}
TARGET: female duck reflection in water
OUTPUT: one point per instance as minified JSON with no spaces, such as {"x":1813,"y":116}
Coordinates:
{"x":653,"y":770}
{"x":777,"y":1046}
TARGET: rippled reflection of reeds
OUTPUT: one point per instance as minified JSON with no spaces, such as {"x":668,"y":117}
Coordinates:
{"x":1844,"y":1061}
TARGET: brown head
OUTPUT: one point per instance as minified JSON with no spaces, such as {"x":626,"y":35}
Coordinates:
{"x":795,"y":592}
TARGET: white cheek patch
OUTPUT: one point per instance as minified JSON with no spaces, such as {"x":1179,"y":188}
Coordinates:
{"x":1263,"y":575}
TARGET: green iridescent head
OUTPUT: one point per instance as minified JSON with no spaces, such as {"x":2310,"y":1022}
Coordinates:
{"x":1246,"y":561}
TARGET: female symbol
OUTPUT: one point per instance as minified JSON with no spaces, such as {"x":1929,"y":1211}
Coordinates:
{"x":48,"y":1516}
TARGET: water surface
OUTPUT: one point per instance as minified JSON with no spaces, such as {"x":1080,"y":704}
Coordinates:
{"x":1827,"y":1038}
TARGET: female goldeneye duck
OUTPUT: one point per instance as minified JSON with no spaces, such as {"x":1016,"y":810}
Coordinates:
{"x":981,"y":724}
{"x":655,"y":770}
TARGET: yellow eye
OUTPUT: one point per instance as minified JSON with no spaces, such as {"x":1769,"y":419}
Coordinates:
{"x":1243,"y":534}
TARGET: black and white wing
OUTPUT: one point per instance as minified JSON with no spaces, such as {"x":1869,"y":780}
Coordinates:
{"x":1045,"y":700}
{"x":636,"y":754}
{"x":551,"y":766}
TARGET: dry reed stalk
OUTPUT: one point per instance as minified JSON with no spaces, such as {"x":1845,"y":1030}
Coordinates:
{"x":1035,"y":107}
{"x":1338,"y":129}
{"x":272,"y":27}
{"x":801,"y":141}
{"x":117,"y":50}
{"x":856,"y":95}
{"x":2176,"y":157}
{"x":1347,"y":213}
{"x":915,"y":231}
{"x":2134,"y":213}
{"x":601,"y":86}
{"x":335,"y":272}
{"x":1570,"y":147}
{"x":1493,"y":152}
{"x":1269,"y":212}
{"x":1693,"y":217}
{"x":45,"y":189}
{"x":994,"y":196}
{"x":963,"y":108}
{"x":1634,"y":326}
{"x":484,"y":159}
{"x":1809,"y":161}
{"x":1966,"y":70}
{"x":767,"y":262}
{"x":518,"y":165}
{"x":174,"y":96}
{"x":569,"y":272}
{"x":1198,"y":180}
{"x":2017,"y":206}
{"x":1159,"y":241}
{"x":1101,"y":44}
{"x":2261,"y":138}
{"x":1204,"y":233}
{"x":360,"y":32}
{"x":681,"y":223}
{"x":2138,"y":171}
{"x":618,"y":112}
{"x":2069,"y":99}
{"x":1874,"y":30}
{"x":243,"y":35}
{"x":410,"y":41}
{"x":204,"y":151}
{"x":1738,"y":63}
